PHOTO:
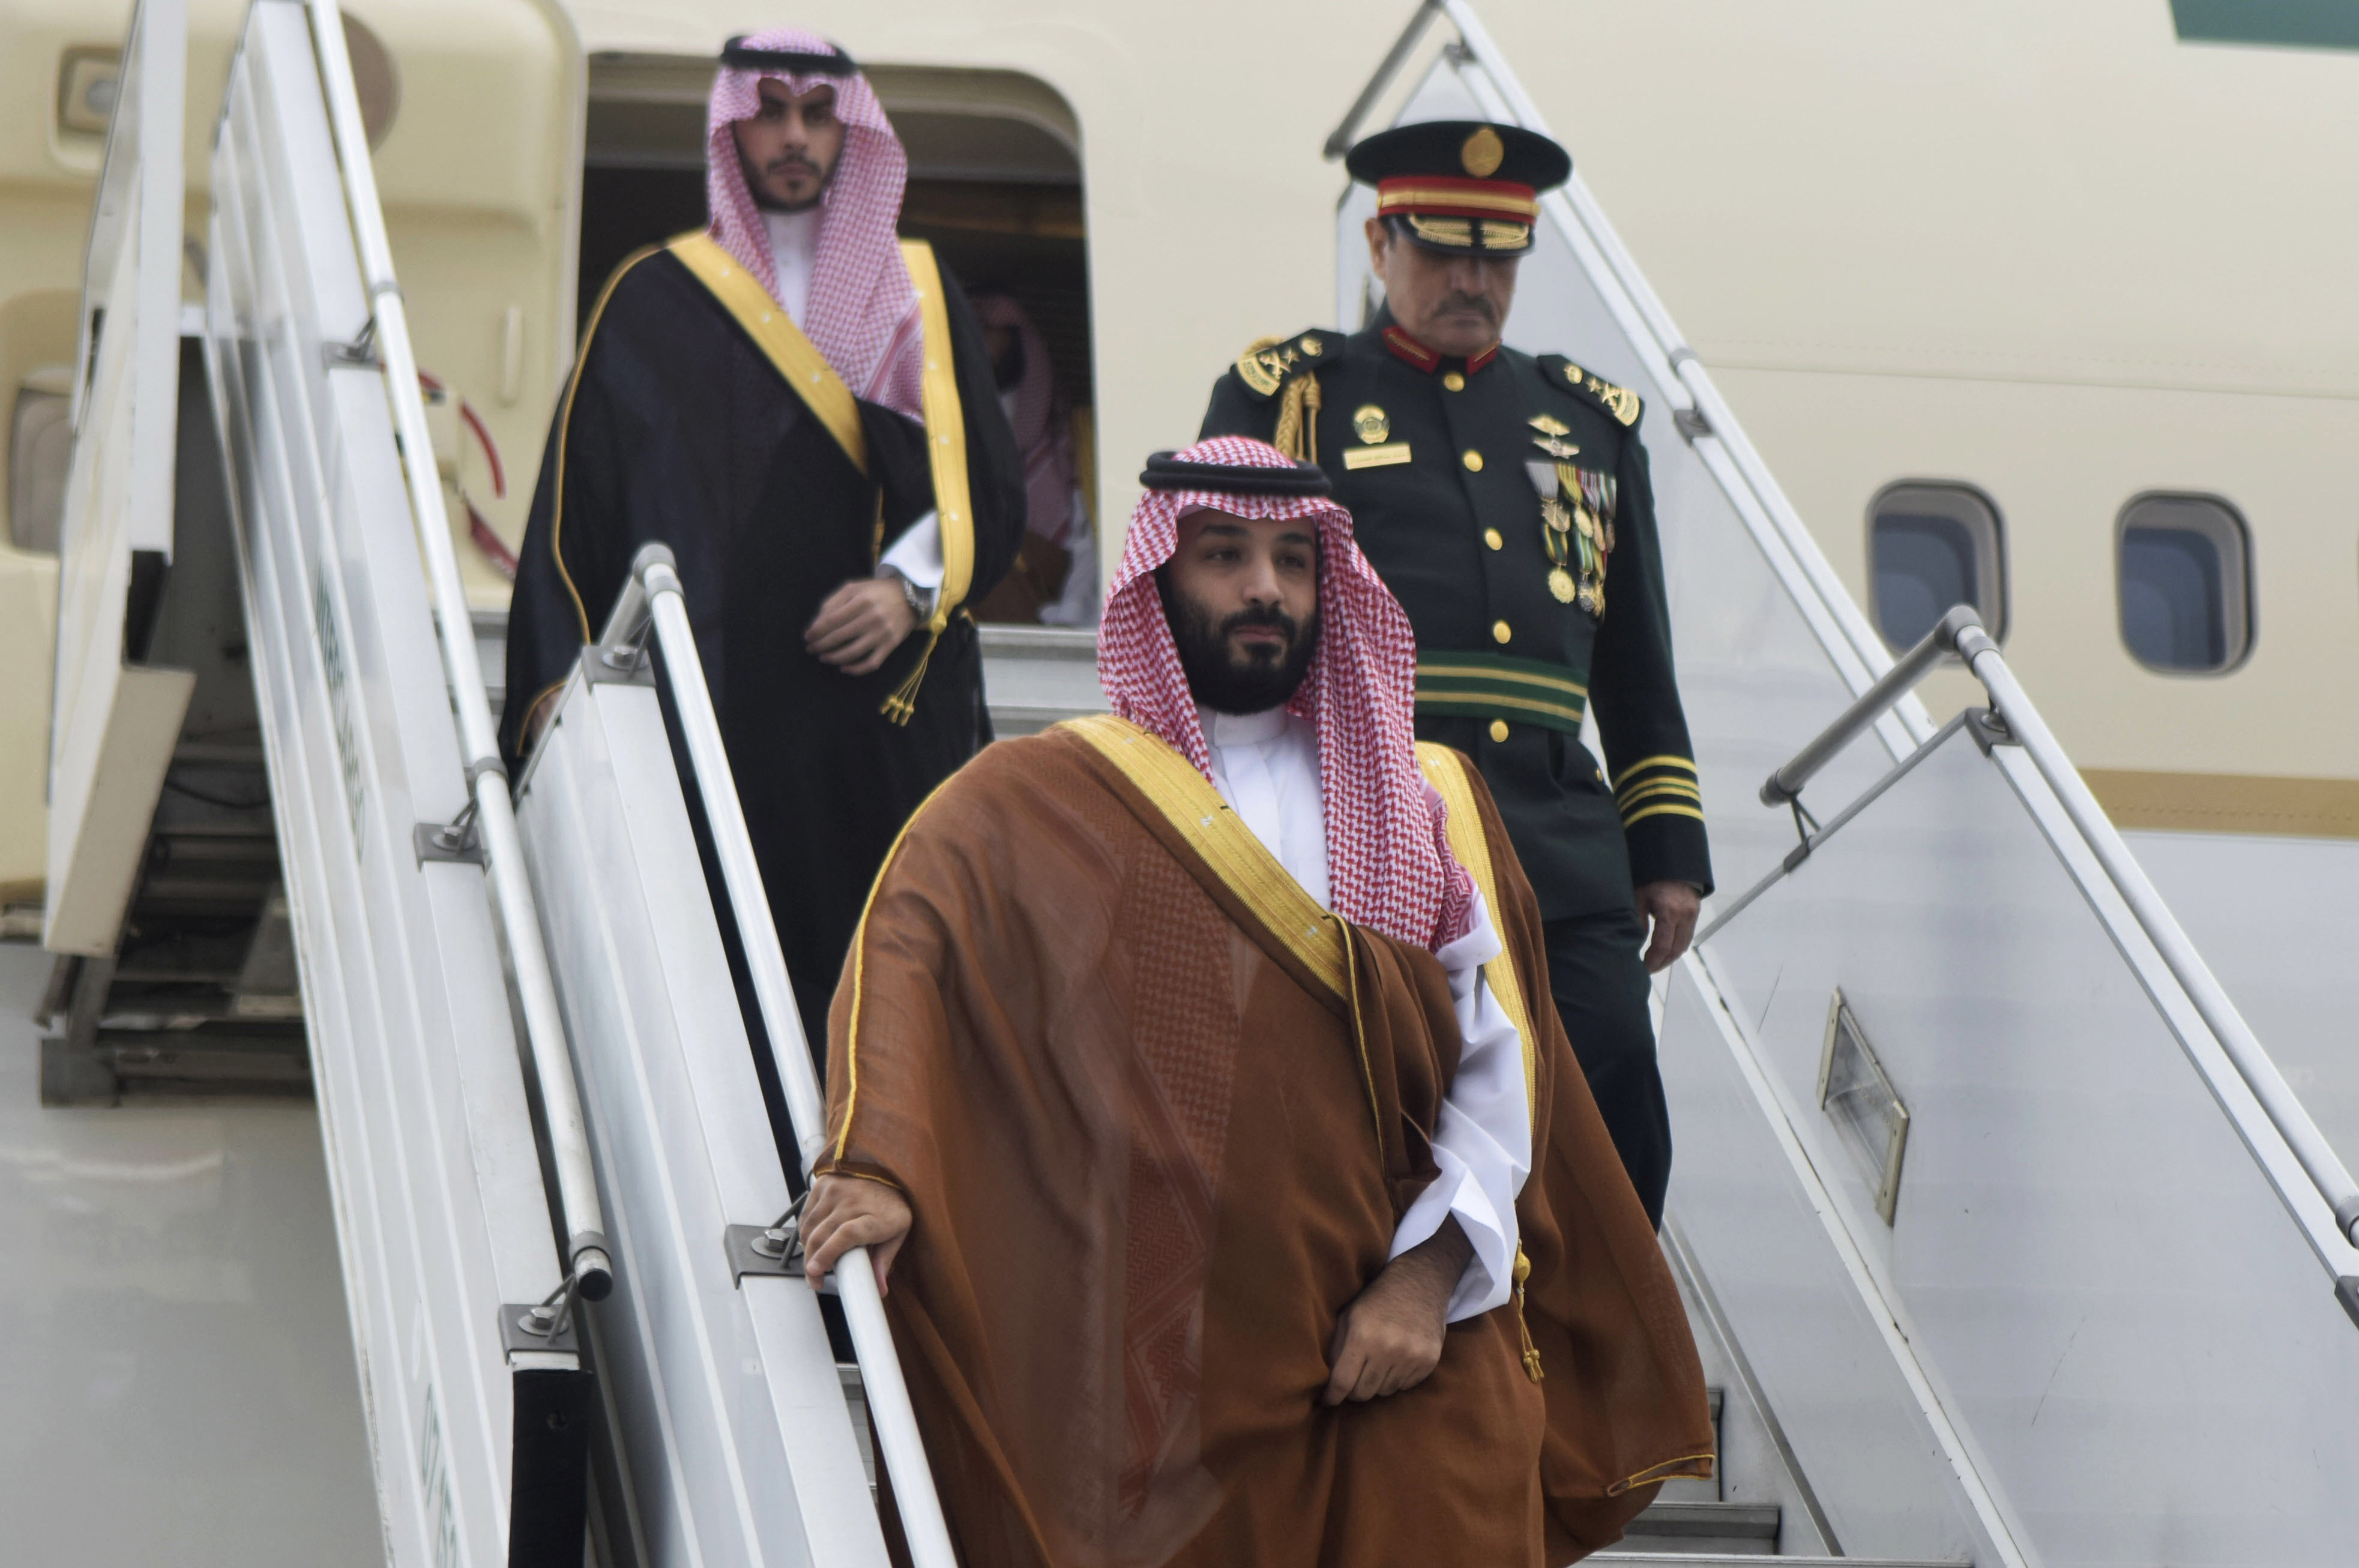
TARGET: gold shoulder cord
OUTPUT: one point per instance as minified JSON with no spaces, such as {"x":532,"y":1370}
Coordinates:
{"x":1447,"y":774}
{"x":946,"y":449}
{"x":1268,"y":363}
{"x":1298,"y":419}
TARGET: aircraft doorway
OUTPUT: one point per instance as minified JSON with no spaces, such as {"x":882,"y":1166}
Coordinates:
{"x":996,"y":186}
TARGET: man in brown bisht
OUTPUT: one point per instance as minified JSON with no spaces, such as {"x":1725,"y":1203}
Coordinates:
{"x":1179,"y":1080}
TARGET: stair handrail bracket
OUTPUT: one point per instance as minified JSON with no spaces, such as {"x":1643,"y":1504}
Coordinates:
{"x":588,"y":1269}
{"x":1961,"y":632}
{"x":1785,"y":785}
{"x":654,"y":596}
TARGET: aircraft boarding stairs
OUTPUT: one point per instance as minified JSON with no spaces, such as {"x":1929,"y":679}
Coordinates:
{"x":2003,"y":1241}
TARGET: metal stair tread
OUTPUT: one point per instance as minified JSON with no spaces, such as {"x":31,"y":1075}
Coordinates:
{"x":1746,"y":1559}
{"x":1675,"y":1517}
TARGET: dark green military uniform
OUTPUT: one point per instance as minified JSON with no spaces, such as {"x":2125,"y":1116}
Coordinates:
{"x":1505,"y":501}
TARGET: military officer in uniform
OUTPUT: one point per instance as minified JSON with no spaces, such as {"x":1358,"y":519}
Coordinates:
{"x":1504,"y":498}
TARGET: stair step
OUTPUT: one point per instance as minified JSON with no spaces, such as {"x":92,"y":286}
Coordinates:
{"x":1747,"y":1560}
{"x":1670,"y":1525}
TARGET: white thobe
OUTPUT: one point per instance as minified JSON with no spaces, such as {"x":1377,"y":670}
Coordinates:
{"x":794,"y":246}
{"x":1266,"y":767}
{"x":794,"y":249}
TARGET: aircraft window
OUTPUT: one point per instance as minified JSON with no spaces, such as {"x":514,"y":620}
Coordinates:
{"x":994,"y":185}
{"x":1931,"y":546}
{"x":41,"y":445}
{"x":2186,"y":594}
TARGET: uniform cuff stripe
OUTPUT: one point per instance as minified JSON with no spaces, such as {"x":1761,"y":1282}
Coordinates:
{"x":1629,"y":795}
{"x":1661,"y":809}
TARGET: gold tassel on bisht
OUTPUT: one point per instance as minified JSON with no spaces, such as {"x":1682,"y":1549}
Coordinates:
{"x":903,"y":700}
{"x":1531,"y":1351}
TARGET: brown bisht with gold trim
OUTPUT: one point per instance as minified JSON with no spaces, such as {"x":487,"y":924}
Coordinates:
{"x":699,"y":416}
{"x":1158,"y":1114}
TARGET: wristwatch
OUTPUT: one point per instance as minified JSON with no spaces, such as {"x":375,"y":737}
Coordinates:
{"x":920,"y":600}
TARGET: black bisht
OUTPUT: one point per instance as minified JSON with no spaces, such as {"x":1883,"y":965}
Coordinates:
{"x":679,"y":431}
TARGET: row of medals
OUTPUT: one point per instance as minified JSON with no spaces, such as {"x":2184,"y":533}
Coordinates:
{"x":1571,"y":527}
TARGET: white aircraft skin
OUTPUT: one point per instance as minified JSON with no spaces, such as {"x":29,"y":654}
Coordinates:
{"x":2056,"y":253}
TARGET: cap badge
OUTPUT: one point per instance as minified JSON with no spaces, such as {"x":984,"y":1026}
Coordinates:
{"x":1369,"y":423}
{"x":1482,"y":153}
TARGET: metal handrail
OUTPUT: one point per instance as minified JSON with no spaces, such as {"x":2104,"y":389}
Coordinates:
{"x":1706,"y":417}
{"x":1843,"y":631}
{"x":1962,"y":632}
{"x":654,"y":593}
{"x":1897,"y":682}
{"x":2285,"y":1110}
{"x":587,"y":1265}
{"x":1339,"y":140}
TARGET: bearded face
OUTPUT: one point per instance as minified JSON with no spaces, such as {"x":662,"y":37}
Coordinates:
{"x":1241,"y":595}
{"x":1247,"y":663}
{"x":788,"y":150}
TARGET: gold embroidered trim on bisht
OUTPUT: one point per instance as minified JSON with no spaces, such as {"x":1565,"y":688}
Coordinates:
{"x":1188,"y":800}
{"x":1697,"y":1464}
{"x":859,"y":973}
{"x":565,"y":429}
{"x":1445,"y":771}
{"x":796,"y":358}
{"x":946,"y":451}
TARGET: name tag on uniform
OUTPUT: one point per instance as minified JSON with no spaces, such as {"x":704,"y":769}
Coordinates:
{"x":1376,"y":456}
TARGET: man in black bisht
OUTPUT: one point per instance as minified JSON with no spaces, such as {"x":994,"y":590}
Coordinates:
{"x":803,"y":410}
{"x":1504,"y":500}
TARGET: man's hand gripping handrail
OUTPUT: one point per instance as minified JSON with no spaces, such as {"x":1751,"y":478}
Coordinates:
{"x":654,"y":595}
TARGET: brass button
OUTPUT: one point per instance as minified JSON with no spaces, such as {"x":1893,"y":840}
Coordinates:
{"x":1500,"y":631}
{"x":1473,"y":461}
{"x":1491,"y":537}
{"x":1498,"y":729}
{"x":1454,"y":381}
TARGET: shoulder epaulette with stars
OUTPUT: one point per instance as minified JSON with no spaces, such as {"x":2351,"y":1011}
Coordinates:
{"x":1619,"y":401}
{"x":1268,"y":363}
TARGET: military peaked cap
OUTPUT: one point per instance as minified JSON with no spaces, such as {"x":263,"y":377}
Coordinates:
{"x":1461,"y":185}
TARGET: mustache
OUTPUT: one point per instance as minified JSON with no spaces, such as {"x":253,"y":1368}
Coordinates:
{"x":1455,"y":300}
{"x":793,"y":163}
{"x":1262,"y":615}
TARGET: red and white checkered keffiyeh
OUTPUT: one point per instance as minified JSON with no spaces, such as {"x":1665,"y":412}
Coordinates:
{"x":1040,"y":434}
{"x":862,"y":311}
{"x":1388,"y":860}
